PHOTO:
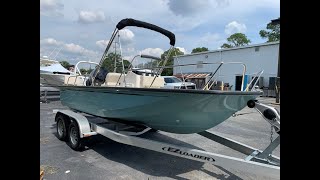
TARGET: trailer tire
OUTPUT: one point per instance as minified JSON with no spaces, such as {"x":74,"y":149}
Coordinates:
{"x":75,"y":142}
{"x":61,"y":127}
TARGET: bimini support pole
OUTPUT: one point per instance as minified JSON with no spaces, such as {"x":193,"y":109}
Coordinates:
{"x":115,"y":32}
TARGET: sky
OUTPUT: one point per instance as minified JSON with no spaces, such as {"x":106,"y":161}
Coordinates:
{"x":75,"y":30}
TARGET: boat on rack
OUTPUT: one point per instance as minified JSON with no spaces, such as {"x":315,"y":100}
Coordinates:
{"x":140,"y":99}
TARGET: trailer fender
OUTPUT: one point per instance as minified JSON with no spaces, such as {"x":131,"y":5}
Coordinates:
{"x":82,"y":121}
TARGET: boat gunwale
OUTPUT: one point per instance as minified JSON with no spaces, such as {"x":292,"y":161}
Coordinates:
{"x":192,"y":91}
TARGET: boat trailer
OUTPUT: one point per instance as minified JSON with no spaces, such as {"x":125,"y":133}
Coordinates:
{"x":74,"y":127}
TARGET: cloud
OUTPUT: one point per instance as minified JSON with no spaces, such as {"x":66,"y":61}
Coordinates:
{"x":51,"y":8}
{"x":187,"y":15}
{"x":128,"y":58}
{"x":102,"y":43}
{"x":186,"y":24}
{"x":68,"y":50}
{"x":195,"y":24}
{"x":126,"y":36}
{"x":222,"y":3}
{"x":210,"y":41}
{"x":182,"y":50}
{"x":74,"y":52}
{"x":156,"y":52}
{"x":192,"y":7}
{"x":74,"y":48}
{"x":209,"y":37}
{"x":78,"y":50}
{"x":87,"y":17}
{"x":153,"y":52}
{"x":50,"y":42}
{"x":187,"y":7}
{"x":129,"y":50}
{"x":235,"y":27}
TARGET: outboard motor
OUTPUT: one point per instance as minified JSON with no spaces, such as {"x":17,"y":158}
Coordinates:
{"x":100,"y":77}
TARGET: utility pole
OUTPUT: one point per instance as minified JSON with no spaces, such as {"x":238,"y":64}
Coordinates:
{"x":275,"y":22}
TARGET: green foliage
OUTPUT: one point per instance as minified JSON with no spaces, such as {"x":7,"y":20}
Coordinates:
{"x":109,"y":62}
{"x":225,"y":45}
{"x":65,"y":64}
{"x":272,"y":33}
{"x":199,"y":49}
{"x":89,"y":71}
{"x":83,"y":71}
{"x":126,"y":64}
{"x":169,"y":71}
{"x":236,"y":40}
{"x":150,"y":64}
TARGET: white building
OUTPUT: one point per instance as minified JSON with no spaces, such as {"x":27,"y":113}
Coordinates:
{"x":256,"y":58}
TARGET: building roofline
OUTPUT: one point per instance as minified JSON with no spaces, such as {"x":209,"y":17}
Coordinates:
{"x":228,"y":49}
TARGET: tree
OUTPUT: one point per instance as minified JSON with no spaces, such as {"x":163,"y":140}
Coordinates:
{"x":225,"y":45}
{"x":272,"y":32}
{"x":65,"y":64}
{"x":83,"y":71}
{"x":199,"y":49}
{"x":89,"y":71}
{"x":169,"y":71}
{"x":150,"y":64}
{"x":236,"y":40}
{"x":109,"y":63}
{"x":126,"y":64}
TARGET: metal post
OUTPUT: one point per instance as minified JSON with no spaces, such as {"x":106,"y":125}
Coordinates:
{"x":115,"y":56}
{"x":275,"y":22}
{"x":278,"y":80}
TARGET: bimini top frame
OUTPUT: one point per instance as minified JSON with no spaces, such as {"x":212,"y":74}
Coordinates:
{"x":132,"y":22}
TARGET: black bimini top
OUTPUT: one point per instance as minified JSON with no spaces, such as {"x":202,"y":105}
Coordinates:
{"x":132,"y":22}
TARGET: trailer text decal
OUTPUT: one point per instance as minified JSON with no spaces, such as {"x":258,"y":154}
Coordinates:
{"x":175,"y":150}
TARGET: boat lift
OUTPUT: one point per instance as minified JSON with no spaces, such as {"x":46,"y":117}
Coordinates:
{"x":75,"y":128}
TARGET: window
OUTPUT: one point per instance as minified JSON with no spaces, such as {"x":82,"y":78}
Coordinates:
{"x":175,"y":80}
{"x":171,"y":80}
{"x":256,"y":49}
{"x":168,"y":80}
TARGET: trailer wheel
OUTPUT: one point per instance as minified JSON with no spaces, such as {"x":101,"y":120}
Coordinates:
{"x":61,"y":127}
{"x":75,"y":142}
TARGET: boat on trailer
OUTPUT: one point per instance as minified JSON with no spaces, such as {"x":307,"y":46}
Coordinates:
{"x":121,"y":106}
{"x":139,"y":99}
{"x":76,"y":128}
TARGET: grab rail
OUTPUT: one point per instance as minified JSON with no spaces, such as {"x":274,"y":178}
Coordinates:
{"x":75,"y":71}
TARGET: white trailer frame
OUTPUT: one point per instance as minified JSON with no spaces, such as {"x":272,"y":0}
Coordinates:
{"x":257,"y":162}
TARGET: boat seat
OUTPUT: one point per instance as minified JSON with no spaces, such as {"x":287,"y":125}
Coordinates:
{"x":146,"y":81}
{"x":73,"y":80}
{"x":112,"y":79}
{"x":133,"y":80}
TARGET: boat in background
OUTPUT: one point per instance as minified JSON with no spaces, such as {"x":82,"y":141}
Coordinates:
{"x":138,"y":99}
{"x":54,"y":74}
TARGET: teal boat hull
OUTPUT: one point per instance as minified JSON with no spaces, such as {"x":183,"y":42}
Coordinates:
{"x":175,"y":111}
